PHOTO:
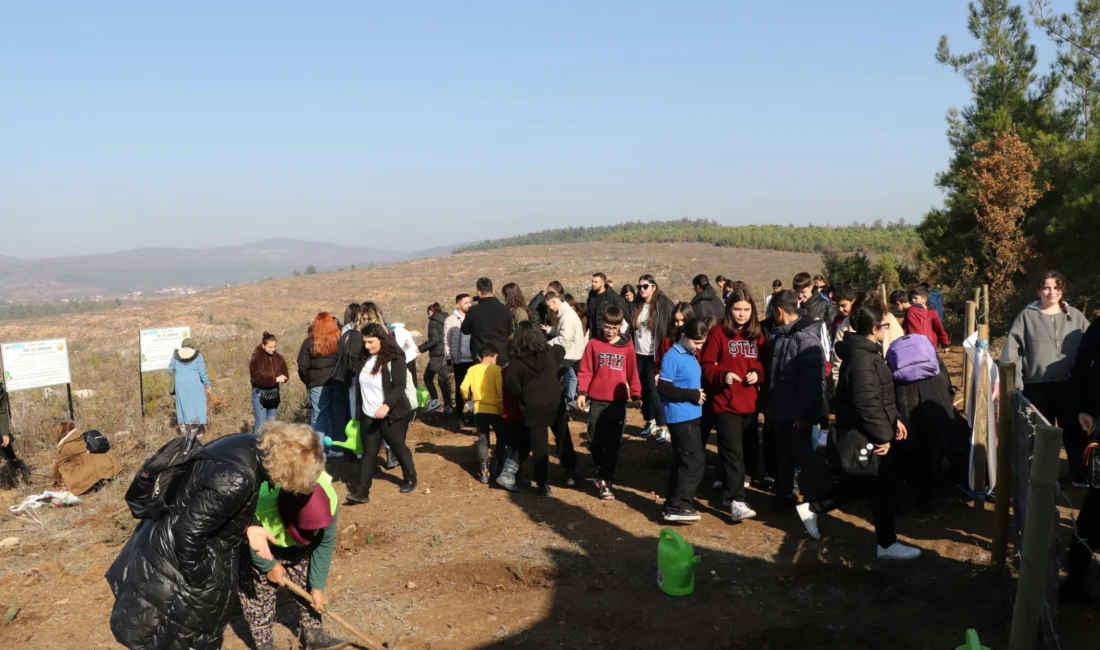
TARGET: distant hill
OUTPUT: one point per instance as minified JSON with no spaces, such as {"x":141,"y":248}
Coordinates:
{"x":152,"y":269}
{"x":897,"y":238}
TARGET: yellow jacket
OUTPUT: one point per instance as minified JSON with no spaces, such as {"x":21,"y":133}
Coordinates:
{"x":483,"y":383}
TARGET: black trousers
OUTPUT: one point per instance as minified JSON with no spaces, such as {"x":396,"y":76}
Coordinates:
{"x":1088,"y":528}
{"x":484,"y":423}
{"x":438,"y":368}
{"x":412,"y":371}
{"x":881,"y":489}
{"x":460,"y":376}
{"x":687,"y":465}
{"x":651,"y":401}
{"x":1055,"y":401}
{"x":794,"y":449}
{"x":534,"y":440}
{"x":760,"y":455}
{"x":605,"y":434}
{"x":733,"y":429}
{"x":374,"y":432}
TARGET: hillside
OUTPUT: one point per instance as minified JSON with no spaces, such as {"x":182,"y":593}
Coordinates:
{"x":896,"y":238}
{"x":152,"y":269}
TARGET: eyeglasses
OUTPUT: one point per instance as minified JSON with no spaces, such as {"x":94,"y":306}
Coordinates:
{"x":645,"y":286}
{"x":882,"y":326}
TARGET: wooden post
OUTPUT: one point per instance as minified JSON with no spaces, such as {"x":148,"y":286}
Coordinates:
{"x":981,"y":432}
{"x":971,"y":309}
{"x":885,"y":297}
{"x":985,"y":308}
{"x":1005,"y":442}
{"x":1038,"y":534}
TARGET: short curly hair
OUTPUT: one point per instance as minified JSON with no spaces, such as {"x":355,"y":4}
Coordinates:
{"x":292,"y":454}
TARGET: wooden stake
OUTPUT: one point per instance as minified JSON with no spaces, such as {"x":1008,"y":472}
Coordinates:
{"x":967,"y":370}
{"x":368,"y":641}
{"x":1005,"y":442}
{"x":1038,"y":534}
{"x":985,"y":308}
{"x":885,"y":296}
{"x":981,"y":431}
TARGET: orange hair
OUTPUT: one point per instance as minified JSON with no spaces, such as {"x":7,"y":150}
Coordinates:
{"x":326,"y":335}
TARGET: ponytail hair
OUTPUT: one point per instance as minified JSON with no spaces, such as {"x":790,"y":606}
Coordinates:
{"x":1060,"y":284}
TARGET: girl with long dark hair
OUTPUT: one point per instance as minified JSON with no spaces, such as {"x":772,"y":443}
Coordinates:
{"x":515,"y":302}
{"x":384,"y":410}
{"x":650,"y":323}
{"x":732,"y":361}
{"x":436,"y":348}
{"x":1043,"y":343}
{"x":268,"y":372}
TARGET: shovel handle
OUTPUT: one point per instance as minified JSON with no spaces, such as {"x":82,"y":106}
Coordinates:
{"x":369,"y":642}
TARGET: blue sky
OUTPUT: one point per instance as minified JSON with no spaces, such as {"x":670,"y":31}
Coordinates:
{"x":408,"y":125}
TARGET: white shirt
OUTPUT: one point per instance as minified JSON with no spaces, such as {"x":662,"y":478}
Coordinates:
{"x":405,"y":341}
{"x":370,"y":388}
{"x":643,"y":340}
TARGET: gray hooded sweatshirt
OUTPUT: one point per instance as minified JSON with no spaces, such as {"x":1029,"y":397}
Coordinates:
{"x":1043,"y":346}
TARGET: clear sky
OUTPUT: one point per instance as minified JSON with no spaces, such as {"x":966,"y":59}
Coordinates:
{"x":408,"y":125}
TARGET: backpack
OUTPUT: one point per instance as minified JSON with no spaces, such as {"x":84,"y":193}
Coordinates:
{"x":147,"y":494}
{"x":912,"y":358}
{"x":96,"y":442}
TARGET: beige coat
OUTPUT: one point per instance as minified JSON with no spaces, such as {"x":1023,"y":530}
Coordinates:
{"x":79,"y":470}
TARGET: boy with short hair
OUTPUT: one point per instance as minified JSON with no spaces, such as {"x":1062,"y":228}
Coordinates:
{"x":607,"y":380}
{"x":844,"y":299}
{"x":919,"y":319}
{"x":485,"y":385}
{"x":899,"y":302}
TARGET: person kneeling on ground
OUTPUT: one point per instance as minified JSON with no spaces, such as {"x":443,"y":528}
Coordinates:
{"x":867,"y":421}
{"x":79,"y":467}
{"x":303,"y":527}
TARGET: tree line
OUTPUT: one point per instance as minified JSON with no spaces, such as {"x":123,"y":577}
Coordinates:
{"x":895,"y":237}
{"x":1022,"y":189}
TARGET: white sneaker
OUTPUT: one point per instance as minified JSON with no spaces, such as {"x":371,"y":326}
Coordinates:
{"x":809,"y":520}
{"x":649,"y":428}
{"x":662,"y":435}
{"x":741,"y":511}
{"x":898,"y":551}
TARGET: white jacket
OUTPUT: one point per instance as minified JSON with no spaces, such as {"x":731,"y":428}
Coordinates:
{"x":456,"y":345}
{"x":405,"y":341}
{"x":569,"y":333}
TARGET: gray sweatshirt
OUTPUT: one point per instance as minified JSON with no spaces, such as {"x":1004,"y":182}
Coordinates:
{"x":1043,"y":346}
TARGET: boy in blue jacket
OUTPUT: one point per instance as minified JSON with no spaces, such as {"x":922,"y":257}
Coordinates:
{"x":682,"y":395}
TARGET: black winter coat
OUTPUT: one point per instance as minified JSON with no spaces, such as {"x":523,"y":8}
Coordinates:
{"x":927,"y":409}
{"x":316,"y":371}
{"x":707,"y":304}
{"x":489,"y":321}
{"x":434,"y":346}
{"x":534,"y":382}
{"x":819,"y":307}
{"x":539,"y":312}
{"x":865,"y":400}
{"x":794,"y":390}
{"x":1085,"y":376}
{"x":662,"y":319}
{"x":175,"y":581}
{"x":597,"y":306}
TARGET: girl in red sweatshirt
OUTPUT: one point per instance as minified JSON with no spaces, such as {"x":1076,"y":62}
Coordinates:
{"x":732,"y":364}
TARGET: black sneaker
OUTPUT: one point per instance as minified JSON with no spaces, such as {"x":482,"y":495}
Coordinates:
{"x":391,"y":460}
{"x":318,"y":640}
{"x":544,"y":491}
{"x":353,"y":499}
{"x":408,"y":485}
{"x":603,"y":489}
{"x":687,"y":515}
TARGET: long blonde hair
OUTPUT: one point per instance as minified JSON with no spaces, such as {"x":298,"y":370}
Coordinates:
{"x":292,"y":455}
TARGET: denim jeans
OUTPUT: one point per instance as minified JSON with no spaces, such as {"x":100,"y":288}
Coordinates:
{"x":569,"y":381}
{"x":321,"y":399}
{"x":261,"y":414}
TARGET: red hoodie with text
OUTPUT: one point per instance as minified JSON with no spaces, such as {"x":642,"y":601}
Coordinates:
{"x":737,"y":354}
{"x":922,"y":320}
{"x":608,"y":370}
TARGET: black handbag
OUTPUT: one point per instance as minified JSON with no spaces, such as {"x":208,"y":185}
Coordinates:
{"x":269,"y":397}
{"x":96,"y":442}
{"x":1092,"y":465}
{"x":854,"y":452}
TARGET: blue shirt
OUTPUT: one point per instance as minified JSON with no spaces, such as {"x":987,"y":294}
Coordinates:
{"x":680,"y":367}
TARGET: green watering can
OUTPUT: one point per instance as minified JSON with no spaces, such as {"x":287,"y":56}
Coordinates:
{"x":676,"y":561}
{"x":972,"y":642}
{"x":353,"y":443}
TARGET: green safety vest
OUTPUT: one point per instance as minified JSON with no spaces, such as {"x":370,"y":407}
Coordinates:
{"x":267,"y":509}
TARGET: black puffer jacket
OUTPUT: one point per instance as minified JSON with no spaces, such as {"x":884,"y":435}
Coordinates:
{"x":819,"y":307}
{"x":395,"y":375}
{"x":434,"y":345}
{"x":316,"y":371}
{"x":707,"y":304}
{"x":539,"y":312}
{"x":597,"y":307}
{"x":175,"y":581}
{"x":865,"y":399}
{"x":533,"y":379}
{"x":794,"y":390}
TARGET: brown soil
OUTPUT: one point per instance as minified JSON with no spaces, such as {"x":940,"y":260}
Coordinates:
{"x":460,"y":565}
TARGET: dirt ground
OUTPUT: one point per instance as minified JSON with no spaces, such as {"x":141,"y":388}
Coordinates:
{"x":460,"y":565}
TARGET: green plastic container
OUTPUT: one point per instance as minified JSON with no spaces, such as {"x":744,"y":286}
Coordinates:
{"x":676,"y":561}
{"x":422,"y":397}
{"x":353,"y":443}
{"x":972,"y":642}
